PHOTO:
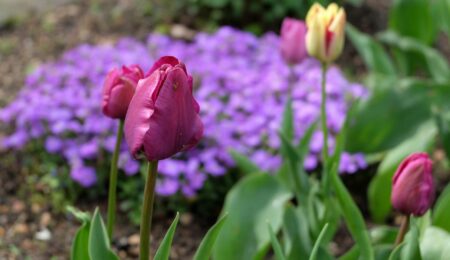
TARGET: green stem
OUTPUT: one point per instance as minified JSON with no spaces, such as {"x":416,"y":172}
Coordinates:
{"x":323,"y":117}
{"x":403,"y":229}
{"x":147,"y":210}
{"x":113,"y":184}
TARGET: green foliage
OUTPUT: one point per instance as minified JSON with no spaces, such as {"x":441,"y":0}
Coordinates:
{"x":243,"y":163}
{"x":318,"y":242}
{"x":435,"y":244}
{"x":413,"y":18}
{"x":98,"y":245}
{"x":276,"y":245}
{"x":252,"y":203}
{"x":163,"y":251}
{"x":441,"y":212}
{"x":205,"y":248}
{"x":80,"y":243}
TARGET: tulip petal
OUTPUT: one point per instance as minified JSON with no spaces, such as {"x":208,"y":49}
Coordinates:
{"x":174,"y":125}
{"x":163,"y":60}
{"x":140,"y":111}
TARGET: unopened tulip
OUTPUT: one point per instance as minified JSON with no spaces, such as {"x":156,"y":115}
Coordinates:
{"x":163,"y":116}
{"x":412,"y":185}
{"x":292,"y":43}
{"x":326,"y":28}
{"x":118,"y":90}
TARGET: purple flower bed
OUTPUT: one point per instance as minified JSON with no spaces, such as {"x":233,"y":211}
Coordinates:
{"x":241,"y":84}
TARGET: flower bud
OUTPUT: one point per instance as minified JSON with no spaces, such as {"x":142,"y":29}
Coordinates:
{"x":292,"y":43}
{"x":326,"y":28}
{"x":118,"y":90}
{"x":163,"y":116}
{"x":412,"y":185}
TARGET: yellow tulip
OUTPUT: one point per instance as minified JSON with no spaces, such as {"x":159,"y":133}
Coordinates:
{"x":326,"y":28}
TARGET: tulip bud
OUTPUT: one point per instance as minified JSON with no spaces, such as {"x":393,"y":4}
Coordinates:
{"x":326,"y":28}
{"x":118,"y":90}
{"x":292,"y":43}
{"x":412,"y":185}
{"x":163,"y":116}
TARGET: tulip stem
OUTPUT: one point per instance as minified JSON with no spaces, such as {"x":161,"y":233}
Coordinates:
{"x":323,"y":117}
{"x":403,"y":229}
{"x":113,"y":183}
{"x":147,"y":210}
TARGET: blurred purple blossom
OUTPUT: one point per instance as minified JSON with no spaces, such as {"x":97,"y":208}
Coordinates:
{"x":240,"y":82}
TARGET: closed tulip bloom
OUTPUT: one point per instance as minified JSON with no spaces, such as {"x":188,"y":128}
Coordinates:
{"x":326,"y":28}
{"x":163,"y":116}
{"x":118,"y":90}
{"x":412,"y":185}
{"x":292,"y":43}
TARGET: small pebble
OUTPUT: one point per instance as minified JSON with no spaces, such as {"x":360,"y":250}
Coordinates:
{"x":43,"y":235}
{"x":20,"y":228}
{"x":134,"y":239}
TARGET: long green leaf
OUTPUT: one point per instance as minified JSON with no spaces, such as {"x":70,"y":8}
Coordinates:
{"x":276,"y":244}
{"x":251,"y":203}
{"x":403,"y":19}
{"x":297,"y":241}
{"x":437,"y":65}
{"x":315,"y":249}
{"x":435,"y":244}
{"x":163,"y":251}
{"x":243,"y":163}
{"x":99,"y":246}
{"x":411,"y":249}
{"x":353,"y":217}
{"x":373,"y":54}
{"x":204,"y":251}
{"x":441,"y":211}
{"x":81,"y":243}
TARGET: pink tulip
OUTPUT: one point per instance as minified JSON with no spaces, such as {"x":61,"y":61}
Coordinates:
{"x":413,"y":189}
{"x":118,"y":90}
{"x":293,"y":33}
{"x":163,"y":116}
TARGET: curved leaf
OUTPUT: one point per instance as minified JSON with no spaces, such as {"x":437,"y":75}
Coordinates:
{"x":441,"y":211}
{"x":251,"y":203}
{"x":80,"y":243}
{"x":99,"y":247}
{"x":163,"y":251}
{"x":205,"y":249}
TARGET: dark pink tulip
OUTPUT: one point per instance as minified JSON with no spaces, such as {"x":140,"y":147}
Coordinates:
{"x":412,"y":185}
{"x":292,"y":45}
{"x":163,"y":116}
{"x":118,"y":90}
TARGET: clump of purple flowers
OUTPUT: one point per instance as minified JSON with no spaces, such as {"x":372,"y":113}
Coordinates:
{"x":241,"y":84}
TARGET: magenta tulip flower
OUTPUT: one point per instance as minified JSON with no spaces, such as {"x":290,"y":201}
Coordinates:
{"x":292,"y":45}
{"x":163,"y":116}
{"x":118,"y":90}
{"x":413,"y":189}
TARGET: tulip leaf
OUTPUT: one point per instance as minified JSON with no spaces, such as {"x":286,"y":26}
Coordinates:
{"x":379,"y":192}
{"x":435,"y":244}
{"x":99,"y":246}
{"x":400,"y":110}
{"x":318,"y":242}
{"x":243,"y":163}
{"x":437,"y":65}
{"x":396,"y":253}
{"x":80,"y":243}
{"x":205,"y":249}
{"x":297,"y":240}
{"x":411,"y":249}
{"x":441,"y":212}
{"x":163,"y":251}
{"x":352,"y":215}
{"x":287,"y":124}
{"x":276,"y":245}
{"x":413,"y":18}
{"x":373,"y":54}
{"x":252,"y":203}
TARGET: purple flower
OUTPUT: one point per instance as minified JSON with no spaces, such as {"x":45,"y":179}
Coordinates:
{"x":84,"y":175}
